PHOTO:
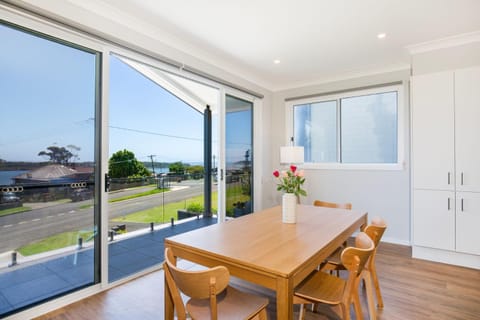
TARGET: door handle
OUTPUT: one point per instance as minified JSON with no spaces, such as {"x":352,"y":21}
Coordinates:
{"x":107,"y":182}
{"x":461,"y":204}
{"x":461,"y":179}
{"x":448,"y":177}
{"x":448,"y":204}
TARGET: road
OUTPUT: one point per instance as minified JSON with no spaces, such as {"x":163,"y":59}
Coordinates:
{"x":47,"y":219}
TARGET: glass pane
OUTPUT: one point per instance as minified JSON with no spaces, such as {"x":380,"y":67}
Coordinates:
{"x":238,"y":151}
{"x":47,"y":169}
{"x":369,"y":128}
{"x":315,"y":128}
{"x":156,"y":161}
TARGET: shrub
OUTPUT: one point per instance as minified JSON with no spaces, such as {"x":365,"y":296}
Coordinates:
{"x":195,"y":207}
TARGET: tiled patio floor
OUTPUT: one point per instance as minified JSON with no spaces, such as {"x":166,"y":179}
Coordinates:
{"x":23,"y":286}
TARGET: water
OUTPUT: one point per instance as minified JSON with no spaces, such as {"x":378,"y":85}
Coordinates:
{"x":6,"y":176}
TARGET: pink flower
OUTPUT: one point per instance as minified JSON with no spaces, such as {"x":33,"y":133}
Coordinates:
{"x":300,"y":173}
{"x":290,"y":181}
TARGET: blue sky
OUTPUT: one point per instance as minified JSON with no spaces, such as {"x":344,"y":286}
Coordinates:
{"x":47,"y":98}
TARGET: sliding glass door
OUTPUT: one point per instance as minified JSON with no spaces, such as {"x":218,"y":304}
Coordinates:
{"x":238,"y":156}
{"x":48,"y":168}
{"x":156,"y":160}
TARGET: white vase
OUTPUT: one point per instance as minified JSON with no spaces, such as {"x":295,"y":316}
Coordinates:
{"x":289,"y":208}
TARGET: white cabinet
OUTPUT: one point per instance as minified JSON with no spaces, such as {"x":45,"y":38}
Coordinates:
{"x":468,"y":222}
{"x":433,"y":131}
{"x":467,"y":129}
{"x":446,"y":162}
{"x":434,"y":219}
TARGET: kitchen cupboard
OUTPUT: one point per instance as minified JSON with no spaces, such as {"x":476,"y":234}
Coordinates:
{"x":446,"y":166}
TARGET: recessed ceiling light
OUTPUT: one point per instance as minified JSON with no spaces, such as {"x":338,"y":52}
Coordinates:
{"x":381,"y":35}
{"x":276,"y":61}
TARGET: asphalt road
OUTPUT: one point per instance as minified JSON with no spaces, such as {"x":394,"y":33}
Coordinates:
{"x":47,"y":219}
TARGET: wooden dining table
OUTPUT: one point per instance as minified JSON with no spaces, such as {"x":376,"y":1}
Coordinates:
{"x":263,"y":250}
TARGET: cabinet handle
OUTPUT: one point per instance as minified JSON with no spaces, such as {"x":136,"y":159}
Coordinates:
{"x":448,"y":177}
{"x":448,"y":204}
{"x":461,"y":178}
{"x":461,"y":204}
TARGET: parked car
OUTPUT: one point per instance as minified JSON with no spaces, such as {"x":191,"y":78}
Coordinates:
{"x":81,"y":194}
{"x":9,"y":197}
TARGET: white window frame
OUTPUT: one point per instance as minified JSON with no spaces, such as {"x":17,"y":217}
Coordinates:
{"x":401,"y":116}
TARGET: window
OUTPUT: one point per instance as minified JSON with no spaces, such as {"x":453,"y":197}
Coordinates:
{"x":48,"y":168}
{"x":357,"y":128}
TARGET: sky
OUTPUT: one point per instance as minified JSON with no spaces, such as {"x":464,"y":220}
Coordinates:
{"x":47,"y":93}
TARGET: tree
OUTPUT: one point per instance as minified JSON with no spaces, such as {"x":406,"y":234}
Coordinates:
{"x":177,"y":167}
{"x":123,"y":164}
{"x":74,"y":150}
{"x":196,"y":172}
{"x":57,"y":154}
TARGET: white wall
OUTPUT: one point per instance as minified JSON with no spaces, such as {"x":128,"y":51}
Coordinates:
{"x":384,"y":193}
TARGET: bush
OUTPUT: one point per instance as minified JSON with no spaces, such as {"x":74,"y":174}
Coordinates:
{"x":195,"y":207}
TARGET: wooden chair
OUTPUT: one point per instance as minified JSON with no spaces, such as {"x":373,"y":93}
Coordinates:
{"x":319,"y":203}
{"x":324,"y":288}
{"x":210,"y":295}
{"x":375,"y":231}
{"x":348,"y":206}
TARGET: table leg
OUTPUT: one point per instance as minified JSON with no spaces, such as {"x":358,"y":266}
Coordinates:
{"x":284,"y":299}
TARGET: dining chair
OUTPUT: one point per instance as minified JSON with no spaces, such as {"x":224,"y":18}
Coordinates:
{"x":375,"y":231}
{"x":323,"y":288}
{"x":210,"y":295}
{"x":326,"y":204}
{"x":320,"y":203}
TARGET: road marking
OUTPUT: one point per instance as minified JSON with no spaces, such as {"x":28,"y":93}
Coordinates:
{"x":22,"y":222}
{"x":71,"y":211}
{"x":7,"y":226}
{"x":60,"y":214}
{"x":50,"y":217}
{"x":36,"y":219}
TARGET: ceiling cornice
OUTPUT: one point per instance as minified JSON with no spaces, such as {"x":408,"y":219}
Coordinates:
{"x":443,"y":43}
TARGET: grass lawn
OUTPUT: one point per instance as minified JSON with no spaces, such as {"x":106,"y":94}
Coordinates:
{"x":137,"y":195}
{"x":163,"y":214}
{"x":57,"y":241}
{"x":6,"y":212}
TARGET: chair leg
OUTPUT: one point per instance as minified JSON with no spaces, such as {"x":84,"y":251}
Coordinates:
{"x":357,"y":307}
{"x":345,"y":311}
{"x":263,"y":314}
{"x":377,"y":286}
{"x":301,"y":315}
{"x":372,"y":312}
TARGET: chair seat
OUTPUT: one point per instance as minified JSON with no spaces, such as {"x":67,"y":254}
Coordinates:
{"x":320,"y":287}
{"x":231,"y":303}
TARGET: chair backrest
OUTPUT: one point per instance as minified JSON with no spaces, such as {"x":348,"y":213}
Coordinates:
{"x":204,"y":284}
{"x":320,"y":203}
{"x":376,"y":229}
{"x":354,"y":260}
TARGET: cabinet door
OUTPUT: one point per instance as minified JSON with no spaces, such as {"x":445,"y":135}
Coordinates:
{"x":434,"y":219}
{"x":468,"y":222}
{"x":467,"y":129}
{"x":433,"y":131}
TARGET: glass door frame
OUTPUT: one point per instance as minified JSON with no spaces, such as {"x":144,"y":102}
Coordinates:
{"x":256,"y":114}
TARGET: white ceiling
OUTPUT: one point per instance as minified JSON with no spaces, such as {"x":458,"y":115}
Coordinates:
{"x":315,"y":40}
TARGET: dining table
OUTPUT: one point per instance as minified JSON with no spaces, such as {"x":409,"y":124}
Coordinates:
{"x":263,"y":250}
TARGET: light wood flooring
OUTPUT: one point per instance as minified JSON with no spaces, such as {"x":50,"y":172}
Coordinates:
{"x":412,"y":290}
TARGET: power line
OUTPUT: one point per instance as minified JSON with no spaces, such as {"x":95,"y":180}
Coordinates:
{"x":156,"y":133}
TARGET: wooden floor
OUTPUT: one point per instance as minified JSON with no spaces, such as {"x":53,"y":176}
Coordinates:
{"x":412,"y":289}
